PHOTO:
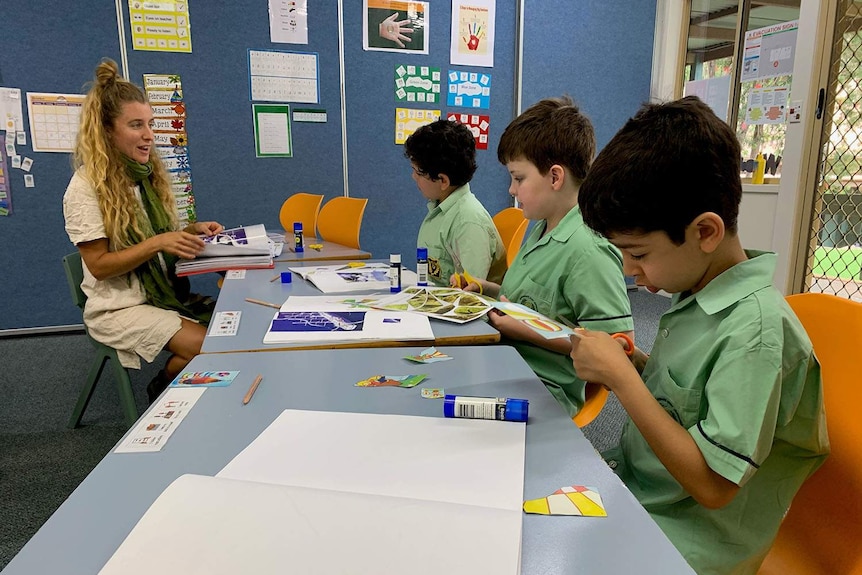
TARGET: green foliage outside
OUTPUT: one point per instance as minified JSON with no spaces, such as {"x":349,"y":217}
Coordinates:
{"x":843,"y":263}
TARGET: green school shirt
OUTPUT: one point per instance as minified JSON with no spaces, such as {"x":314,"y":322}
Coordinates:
{"x":573,"y":273}
{"x":460,"y":228}
{"x":733,"y":365}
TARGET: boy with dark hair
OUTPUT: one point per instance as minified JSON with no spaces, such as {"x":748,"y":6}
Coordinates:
{"x":458,"y":232}
{"x":726,"y":416}
{"x":563,"y":270}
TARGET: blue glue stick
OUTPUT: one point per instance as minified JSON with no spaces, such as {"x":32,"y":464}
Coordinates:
{"x":297,"y":237}
{"x":501,"y":408}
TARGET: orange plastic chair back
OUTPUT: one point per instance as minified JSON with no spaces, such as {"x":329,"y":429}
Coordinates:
{"x":340,"y":220}
{"x":512,"y":226}
{"x":301,"y":207}
{"x":595,"y":399}
{"x":822,"y":532}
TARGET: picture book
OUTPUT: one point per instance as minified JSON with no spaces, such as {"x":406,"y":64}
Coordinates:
{"x":312,"y":319}
{"x":332,"y":492}
{"x":245,"y":247}
{"x":448,"y":304}
{"x":204,"y":379}
{"x":357,"y":276}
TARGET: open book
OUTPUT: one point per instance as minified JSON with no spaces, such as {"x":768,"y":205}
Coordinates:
{"x":358,"y":276}
{"x":328,"y":492}
{"x":245,"y":247}
{"x":313,"y":319}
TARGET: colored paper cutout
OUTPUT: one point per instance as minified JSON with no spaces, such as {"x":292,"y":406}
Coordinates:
{"x":392,"y":381}
{"x":429,"y":355}
{"x":570,"y":500}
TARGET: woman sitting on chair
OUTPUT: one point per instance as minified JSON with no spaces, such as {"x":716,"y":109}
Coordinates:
{"x":121,"y":215}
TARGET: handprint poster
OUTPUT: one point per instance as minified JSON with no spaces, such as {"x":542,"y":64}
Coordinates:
{"x":395,"y":26}
{"x":472,"y":42}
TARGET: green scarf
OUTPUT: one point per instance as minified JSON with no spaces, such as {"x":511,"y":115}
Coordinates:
{"x":164,"y":290}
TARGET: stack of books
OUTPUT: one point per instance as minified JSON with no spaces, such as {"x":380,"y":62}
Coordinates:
{"x":245,"y":247}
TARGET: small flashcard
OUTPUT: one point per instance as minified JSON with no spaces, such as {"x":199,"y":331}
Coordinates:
{"x":433,"y":393}
{"x":10,"y":147}
{"x":571,"y":500}
{"x":430,"y":355}
{"x":204,"y":378}
{"x":392,"y":381}
{"x":234,"y":275}
{"x":16,"y":161}
{"x":10,"y":125}
{"x":21,"y":138}
{"x":224,"y":323}
{"x":29,"y":182}
{"x":26,"y":164}
{"x":156,"y":426}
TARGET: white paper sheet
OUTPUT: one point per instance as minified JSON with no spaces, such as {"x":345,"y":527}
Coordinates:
{"x":344,"y":278}
{"x":465,"y":461}
{"x":205,"y":525}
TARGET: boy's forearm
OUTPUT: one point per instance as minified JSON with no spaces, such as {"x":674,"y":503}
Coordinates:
{"x":674,"y":446}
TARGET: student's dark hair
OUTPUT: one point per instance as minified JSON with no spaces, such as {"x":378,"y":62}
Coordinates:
{"x":552,"y":131}
{"x":668,"y":164}
{"x":443,"y":147}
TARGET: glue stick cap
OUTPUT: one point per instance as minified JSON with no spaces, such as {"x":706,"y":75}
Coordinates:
{"x":421,"y":253}
{"x":516,"y":409}
{"x":297,"y":227}
{"x":394,"y":258}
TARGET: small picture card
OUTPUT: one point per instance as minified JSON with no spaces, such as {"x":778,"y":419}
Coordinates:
{"x":430,"y":355}
{"x":234,"y":275}
{"x":16,"y":161}
{"x":10,"y":147}
{"x":26,"y":164}
{"x":10,"y":125}
{"x":29,"y":182}
{"x":392,"y":381}
{"x":204,"y":378}
{"x":224,"y":323}
{"x":21,"y":138}
{"x":433,"y":393}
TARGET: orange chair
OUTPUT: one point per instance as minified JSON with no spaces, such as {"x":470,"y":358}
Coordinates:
{"x":340,"y":220}
{"x":301,"y":207}
{"x":821,"y":532}
{"x":511,"y":225}
{"x":595,"y":398}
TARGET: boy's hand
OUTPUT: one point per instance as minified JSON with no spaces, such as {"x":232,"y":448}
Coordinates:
{"x":458,"y":281}
{"x":509,"y":326}
{"x":598,"y":358}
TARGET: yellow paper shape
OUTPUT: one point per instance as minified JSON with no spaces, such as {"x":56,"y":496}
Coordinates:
{"x":571,"y":500}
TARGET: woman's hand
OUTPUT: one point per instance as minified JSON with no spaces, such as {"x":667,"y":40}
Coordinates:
{"x":204,"y":228}
{"x":181,"y":244}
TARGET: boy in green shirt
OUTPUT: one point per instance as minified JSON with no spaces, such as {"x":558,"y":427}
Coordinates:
{"x":458,"y":232}
{"x":563,"y":269}
{"x":726,"y":416}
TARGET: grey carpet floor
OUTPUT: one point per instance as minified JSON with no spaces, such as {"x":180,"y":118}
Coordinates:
{"x":42,"y":462}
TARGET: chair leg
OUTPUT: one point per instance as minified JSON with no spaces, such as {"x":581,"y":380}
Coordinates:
{"x":87,"y":391}
{"x":124,"y":387}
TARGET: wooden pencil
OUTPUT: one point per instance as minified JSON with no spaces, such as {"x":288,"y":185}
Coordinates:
{"x":252,"y":389}
{"x":261,"y":302}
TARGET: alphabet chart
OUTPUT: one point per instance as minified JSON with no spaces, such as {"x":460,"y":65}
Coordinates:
{"x":277,"y":76}
{"x":54,"y":120}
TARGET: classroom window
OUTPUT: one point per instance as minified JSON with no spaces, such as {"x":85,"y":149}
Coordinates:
{"x":750,"y":93}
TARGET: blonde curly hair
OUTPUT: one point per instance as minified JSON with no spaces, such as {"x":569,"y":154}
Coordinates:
{"x":103,"y":165}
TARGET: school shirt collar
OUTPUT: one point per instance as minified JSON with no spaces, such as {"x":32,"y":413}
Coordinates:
{"x":734,"y":284}
{"x":570,"y":223}
{"x":451,"y":201}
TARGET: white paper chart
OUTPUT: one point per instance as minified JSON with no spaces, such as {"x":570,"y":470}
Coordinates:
{"x":283,"y":76}
{"x":54,"y":120}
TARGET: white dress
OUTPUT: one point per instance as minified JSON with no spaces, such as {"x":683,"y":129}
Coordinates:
{"x":116,"y":313}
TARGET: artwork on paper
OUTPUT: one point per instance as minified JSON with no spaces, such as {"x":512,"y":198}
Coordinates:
{"x":419,"y":84}
{"x":408,"y":120}
{"x":571,"y":500}
{"x":317,"y":321}
{"x":469,"y":90}
{"x":478,"y":124}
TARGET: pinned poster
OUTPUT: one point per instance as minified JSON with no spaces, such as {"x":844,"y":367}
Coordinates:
{"x":408,"y":120}
{"x":766,"y":105}
{"x":54,"y":121}
{"x":395,"y":26}
{"x":161,"y":25}
{"x":165,"y":94}
{"x":478,"y":125}
{"x":288,"y":21}
{"x":472,"y":37}
{"x":417,"y":84}
{"x":5,"y":191}
{"x":11,"y":110}
{"x":469,"y":90}
{"x":769,"y":51}
{"x":278,"y":76}
{"x":272,"y":131}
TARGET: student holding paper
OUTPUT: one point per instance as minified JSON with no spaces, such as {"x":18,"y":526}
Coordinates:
{"x":563,"y":270}
{"x":121,"y":214}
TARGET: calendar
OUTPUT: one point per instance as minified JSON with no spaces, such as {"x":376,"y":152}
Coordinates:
{"x":277,"y":76}
{"x":54,"y":120}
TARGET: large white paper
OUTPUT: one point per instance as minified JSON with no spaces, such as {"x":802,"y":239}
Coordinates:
{"x":464,"y":461}
{"x":344,"y":278}
{"x":211,"y":526}
{"x":328,"y":492}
